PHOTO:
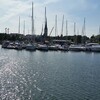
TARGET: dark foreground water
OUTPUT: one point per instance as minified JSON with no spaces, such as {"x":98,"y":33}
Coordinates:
{"x":39,"y":75}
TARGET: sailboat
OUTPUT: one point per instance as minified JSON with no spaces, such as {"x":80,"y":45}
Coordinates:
{"x":31,"y":46}
{"x":44,"y":47}
{"x":63,"y":47}
{"x":96,"y":48}
{"x":76,"y":47}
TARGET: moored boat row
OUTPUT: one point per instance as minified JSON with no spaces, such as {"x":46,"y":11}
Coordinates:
{"x":91,"y":47}
{"x":95,"y":47}
{"x":77,"y":48}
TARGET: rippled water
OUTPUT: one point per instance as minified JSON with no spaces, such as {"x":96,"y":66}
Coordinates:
{"x":39,"y":75}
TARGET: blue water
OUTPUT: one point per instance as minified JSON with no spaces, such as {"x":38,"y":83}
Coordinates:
{"x":48,"y":75}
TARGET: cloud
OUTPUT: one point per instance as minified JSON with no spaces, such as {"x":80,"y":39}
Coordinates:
{"x":82,"y":5}
{"x":13,"y":8}
{"x":10,"y":10}
{"x":50,"y":1}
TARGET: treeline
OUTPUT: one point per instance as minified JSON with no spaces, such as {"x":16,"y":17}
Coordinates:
{"x":95,"y":38}
{"x":11,"y":37}
{"x":75,"y":39}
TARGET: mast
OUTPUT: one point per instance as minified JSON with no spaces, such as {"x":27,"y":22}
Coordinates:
{"x":82,"y":36}
{"x":55,"y":25}
{"x":74,"y":28}
{"x":75,"y":37}
{"x":99,"y":30}
{"x":19,"y":26}
{"x":24,"y":28}
{"x":62,"y":25}
{"x":83,"y":32}
{"x":42,"y":30}
{"x":99,"y":35}
{"x":32,"y":20}
{"x":66,"y":29}
{"x":84,"y":28}
{"x":45,"y":16}
{"x":45,"y":28}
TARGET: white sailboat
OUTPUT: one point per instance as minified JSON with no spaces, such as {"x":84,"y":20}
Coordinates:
{"x":80,"y":47}
{"x":42,"y":47}
{"x":5,"y":44}
{"x":95,"y":48}
{"x":31,"y":46}
{"x":77,"y":48}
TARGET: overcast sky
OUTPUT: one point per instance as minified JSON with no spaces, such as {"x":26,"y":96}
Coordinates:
{"x":73,"y":11}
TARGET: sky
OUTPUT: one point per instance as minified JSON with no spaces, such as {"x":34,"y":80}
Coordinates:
{"x":74,"y":11}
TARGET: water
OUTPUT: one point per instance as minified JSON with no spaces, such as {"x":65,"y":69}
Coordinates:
{"x":56,"y":75}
